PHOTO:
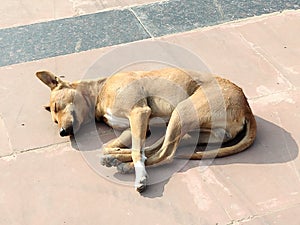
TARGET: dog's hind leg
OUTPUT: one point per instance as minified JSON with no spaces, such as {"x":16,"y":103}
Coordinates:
{"x":170,"y":143}
{"x":118,"y":154}
{"x":116,"y":151}
{"x":186,"y":117}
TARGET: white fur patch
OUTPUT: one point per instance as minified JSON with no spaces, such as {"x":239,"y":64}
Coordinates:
{"x":140,"y":173}
{"x":140,"y":169}
{"x":116,"y":122}
{"x":139,"y":164}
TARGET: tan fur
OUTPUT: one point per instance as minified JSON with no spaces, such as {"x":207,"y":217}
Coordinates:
{"x":188,"y":100}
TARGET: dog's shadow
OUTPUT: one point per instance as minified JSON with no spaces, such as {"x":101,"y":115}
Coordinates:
{"x":273,"y":144}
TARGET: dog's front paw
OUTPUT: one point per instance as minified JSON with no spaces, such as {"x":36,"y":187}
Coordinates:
{"x":125,"y":168}
{"x":141,"y":184}
{"x":141,"y":177}
{"x":109,"y":161}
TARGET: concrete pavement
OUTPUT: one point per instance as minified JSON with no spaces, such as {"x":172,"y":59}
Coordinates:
{"x":45,"y":179}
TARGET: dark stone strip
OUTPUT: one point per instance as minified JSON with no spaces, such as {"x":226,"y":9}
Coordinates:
{"x":67,"y":36}
{"x":76,"y":34}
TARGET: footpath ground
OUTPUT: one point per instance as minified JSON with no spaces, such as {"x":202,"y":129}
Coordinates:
{"x":45,"y":179}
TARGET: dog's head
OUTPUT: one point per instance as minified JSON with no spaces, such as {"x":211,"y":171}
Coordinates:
{"x":68,"y":106}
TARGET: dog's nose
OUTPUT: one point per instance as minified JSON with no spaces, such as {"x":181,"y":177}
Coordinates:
{"x":66,"y":132}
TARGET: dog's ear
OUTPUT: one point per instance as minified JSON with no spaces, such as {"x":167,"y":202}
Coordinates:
{"x":47,"y":107}
{"x":49,"y":79}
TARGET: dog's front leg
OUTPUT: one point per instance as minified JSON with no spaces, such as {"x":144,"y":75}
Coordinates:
{"x":139,"y":119}
{"x":120,"y":143}
{"x":116,"y":152}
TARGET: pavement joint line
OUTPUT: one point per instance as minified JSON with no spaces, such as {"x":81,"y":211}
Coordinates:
{"x":122,"y":7}
{"x":243,"y":220}
{"x":257,"y":216}
{"x":36,"y":149}
{"x":145,"y":4}
{"x":219,"y":7}
{"x":18,"y":152}
{"x":145,"y":28}
{"x":289,"y":90}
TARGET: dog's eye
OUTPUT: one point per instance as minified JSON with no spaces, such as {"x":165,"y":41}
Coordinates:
{"x":55,"y":121}
{"x":55,"y":108}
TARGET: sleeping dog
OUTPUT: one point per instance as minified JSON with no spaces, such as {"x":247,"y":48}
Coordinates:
{"x":189,"y":101}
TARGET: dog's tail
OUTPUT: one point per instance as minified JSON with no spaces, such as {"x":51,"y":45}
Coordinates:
{"x":245,"y":142}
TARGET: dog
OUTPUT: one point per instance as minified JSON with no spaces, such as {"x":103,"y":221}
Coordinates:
{"x":188,"y":101}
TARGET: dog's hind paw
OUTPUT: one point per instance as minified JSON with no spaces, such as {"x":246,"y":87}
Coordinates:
{"x":109,"y":161}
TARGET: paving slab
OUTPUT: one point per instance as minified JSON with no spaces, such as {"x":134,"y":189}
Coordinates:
{"x":281,"y":49}
{"x":230,"y":50}
{"x":15,"y":13}
{"x":184,"y":15}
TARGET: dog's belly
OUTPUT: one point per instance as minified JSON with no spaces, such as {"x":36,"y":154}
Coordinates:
{"x":115,"y":121}
{"x":159,"y":108}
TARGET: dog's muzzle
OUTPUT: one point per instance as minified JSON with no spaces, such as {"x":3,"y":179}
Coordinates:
{"x":70,"y":129}
{"x":66,"y":131}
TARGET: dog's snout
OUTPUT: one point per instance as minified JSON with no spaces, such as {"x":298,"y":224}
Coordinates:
{"x":66,"y":131}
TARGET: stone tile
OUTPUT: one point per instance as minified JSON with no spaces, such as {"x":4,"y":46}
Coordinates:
{"x":15,"y":14}
{"x":26,"y":120}
{"x":179,"y":16}
{"x":275,"y":39}
{"x":243,"y":9}
{"x":226,"y":53}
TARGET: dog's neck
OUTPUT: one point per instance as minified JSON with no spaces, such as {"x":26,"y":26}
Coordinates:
{"x":90,"y":89}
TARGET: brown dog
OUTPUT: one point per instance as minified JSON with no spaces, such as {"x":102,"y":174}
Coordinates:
{"x":189,"y":101}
